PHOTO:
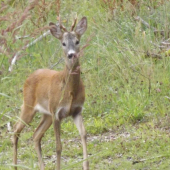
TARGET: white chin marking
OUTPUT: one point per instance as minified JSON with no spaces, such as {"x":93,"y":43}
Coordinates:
{"x":71,"y":52}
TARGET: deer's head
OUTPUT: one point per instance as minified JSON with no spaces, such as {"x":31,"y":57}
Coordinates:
{"x":70,"y":40}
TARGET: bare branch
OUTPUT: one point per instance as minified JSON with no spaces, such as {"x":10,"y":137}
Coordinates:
{"x":166,"y":42}
{"x":23,"y":37}
{"x":159,"y":32}
{"x":156,"y":32}
{"x":23,"y":48}
{"x":157,"y":56}
{"x":143,"y":160}
{"x":138,"y":18}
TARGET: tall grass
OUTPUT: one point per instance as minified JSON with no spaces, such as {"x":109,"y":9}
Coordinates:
{"x":124,"y":87}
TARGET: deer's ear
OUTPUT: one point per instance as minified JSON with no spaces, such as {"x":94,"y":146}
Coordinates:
{"x":81,"y":26}
{"x":55,"y":30}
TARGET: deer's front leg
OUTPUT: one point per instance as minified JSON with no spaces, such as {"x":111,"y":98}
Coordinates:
{"x":56,"y":124}
{"x":78,"y":120}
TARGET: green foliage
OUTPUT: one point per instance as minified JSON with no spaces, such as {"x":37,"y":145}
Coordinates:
{"x":126,"y":112}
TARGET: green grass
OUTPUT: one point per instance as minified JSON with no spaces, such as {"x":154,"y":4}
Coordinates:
{"x":126,"y":112}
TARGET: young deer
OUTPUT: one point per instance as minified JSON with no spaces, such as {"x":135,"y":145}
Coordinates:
{"x":55,"y":94}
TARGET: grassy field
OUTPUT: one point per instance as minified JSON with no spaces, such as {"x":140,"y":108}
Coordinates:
{"x":127,"y":80}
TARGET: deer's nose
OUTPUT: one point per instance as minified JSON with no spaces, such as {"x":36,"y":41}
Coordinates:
{"x":71,"y":55}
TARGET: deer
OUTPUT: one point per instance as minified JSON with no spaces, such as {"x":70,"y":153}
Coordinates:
{"x":55,"y":94}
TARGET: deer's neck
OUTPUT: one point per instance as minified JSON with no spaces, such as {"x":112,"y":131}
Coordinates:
{"x":72,"y":79}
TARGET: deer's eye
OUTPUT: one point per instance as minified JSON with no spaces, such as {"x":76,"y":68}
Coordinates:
{"x":77,"y":42}
{"x":64,"y":44}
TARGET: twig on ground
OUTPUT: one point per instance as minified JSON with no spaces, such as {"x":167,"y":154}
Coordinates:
{"x":19,"y":37}
{"x":156,"y":32}
{"x":153,"y":55}
{"x":143,"y":160}
{"x":165,"y":45}
{"x":159,"y":32}
{"x":138,"y":18}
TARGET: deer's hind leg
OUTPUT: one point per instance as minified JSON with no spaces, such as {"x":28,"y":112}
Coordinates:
{"x":45,"y":123}
{"x":27,"y":114}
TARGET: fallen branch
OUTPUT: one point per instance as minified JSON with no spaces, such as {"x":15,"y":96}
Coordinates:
{"x":19,"y":37}
{"x":156,"y":32}
{"x":165,"y":44}
{"x":138,"y":18}
{"x":143,"y":160}
{"x":23,"y":48}
{"x":157,"y":56}
{"x":159,"y":32}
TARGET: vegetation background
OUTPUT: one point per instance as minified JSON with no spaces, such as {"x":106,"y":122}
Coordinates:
{"x":126,"y":71}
